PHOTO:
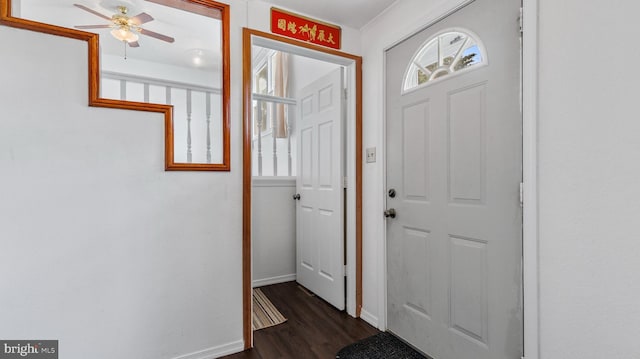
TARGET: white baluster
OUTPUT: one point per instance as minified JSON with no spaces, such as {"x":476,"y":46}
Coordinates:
{"x":259,"y":114}
{"x":289,"y":157}
{"x":123,"y":90}
{"x":189,"y":154}
{"x":208,"y":127}
{"x":274,"y":108}
{"x":146,"y":92}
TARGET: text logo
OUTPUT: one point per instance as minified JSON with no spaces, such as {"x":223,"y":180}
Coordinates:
{"x":29,"y":349}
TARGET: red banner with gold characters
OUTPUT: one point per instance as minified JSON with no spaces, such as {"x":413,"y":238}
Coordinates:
{"x":305,"y":29}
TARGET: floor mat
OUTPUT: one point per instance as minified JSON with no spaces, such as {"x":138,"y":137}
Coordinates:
{"x":265,"y":314}
{"x":379,"y":346}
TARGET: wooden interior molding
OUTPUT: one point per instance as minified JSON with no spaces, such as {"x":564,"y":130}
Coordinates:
{"x":221,"y":11}
{"x":194,"y":6}
{"x":247,"y":75}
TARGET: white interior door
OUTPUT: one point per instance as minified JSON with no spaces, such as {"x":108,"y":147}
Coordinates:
{"x":319,"y":212}
{"x":454,"y":161}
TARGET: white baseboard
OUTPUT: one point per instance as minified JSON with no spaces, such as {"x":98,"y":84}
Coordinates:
{"x":216,"y":352}
{"x":274,"y":280}
{"x":369,"y":318}
{"x":273,"y":181}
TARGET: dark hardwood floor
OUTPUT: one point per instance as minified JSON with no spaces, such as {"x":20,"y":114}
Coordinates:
{"x":313,"y":330}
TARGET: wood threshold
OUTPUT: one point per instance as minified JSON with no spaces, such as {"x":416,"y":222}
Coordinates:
{"x":247,"y":173}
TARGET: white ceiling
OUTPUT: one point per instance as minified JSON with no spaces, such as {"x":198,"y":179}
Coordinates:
{"x":191,"y":32}
{"x":185,"y":27}
{"x":352,"y":13}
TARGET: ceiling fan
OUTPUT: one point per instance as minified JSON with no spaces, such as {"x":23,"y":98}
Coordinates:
{"x":124,"y":27}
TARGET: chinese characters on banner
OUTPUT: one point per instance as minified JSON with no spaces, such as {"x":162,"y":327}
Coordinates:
{"x":301,"y":28}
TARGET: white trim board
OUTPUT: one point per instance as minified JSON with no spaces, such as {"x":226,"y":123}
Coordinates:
{"x":369,"y":318}
{"x":266,"y":181}
{"x":273,"y":280}
{"x":531,"y":289}
{"x":216,"y":352}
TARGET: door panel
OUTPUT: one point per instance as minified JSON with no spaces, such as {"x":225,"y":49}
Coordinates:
{"x":466,"y":116}
{"x":305,"y":244}
{"x":469,"y":280}
{"x":320,"y":235}
{"x":454,"y":159}
{"x":305,"y":152}
{"x":416,"y":247}
{"x":415,"y":139}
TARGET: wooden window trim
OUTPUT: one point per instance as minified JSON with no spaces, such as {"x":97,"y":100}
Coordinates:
{"x":167,"y":110}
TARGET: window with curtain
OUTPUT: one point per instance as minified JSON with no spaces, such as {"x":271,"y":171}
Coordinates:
{"x":273,"y":110}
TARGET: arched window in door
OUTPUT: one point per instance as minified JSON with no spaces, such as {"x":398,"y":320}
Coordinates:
{"x":448,"y":52}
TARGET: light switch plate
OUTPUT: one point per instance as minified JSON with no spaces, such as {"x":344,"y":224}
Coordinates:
{"x":371,"y":155}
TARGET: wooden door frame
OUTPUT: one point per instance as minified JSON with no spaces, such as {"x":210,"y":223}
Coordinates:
{"x":247,"y":78}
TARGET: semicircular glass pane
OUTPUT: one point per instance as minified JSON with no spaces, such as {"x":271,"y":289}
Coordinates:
{"x":441,"y":56}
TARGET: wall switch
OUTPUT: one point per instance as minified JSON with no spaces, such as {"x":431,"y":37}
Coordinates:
{"x":371,"y":155}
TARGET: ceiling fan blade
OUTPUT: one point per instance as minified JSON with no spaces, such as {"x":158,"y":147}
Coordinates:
{"x":157,"y":36}
{"x":142,"y":18}
{"x":92,"y":26}
{"x":92,"y":11}
{"x":134,"y":44}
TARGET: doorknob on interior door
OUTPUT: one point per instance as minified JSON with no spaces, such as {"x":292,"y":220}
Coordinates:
{"x":296,"y":196}
{"x":390,"y":213}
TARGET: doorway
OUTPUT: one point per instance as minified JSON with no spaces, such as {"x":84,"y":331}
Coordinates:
{"x":352,"y":168}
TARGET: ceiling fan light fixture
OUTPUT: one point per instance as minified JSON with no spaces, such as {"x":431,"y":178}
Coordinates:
{"x":124,"y":35}
{"x":123,"y":27}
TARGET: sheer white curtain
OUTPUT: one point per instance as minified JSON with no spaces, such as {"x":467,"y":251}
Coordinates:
{"x":281,"y":89}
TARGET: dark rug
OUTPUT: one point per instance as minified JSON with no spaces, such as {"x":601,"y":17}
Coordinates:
{"x":379,"y":346}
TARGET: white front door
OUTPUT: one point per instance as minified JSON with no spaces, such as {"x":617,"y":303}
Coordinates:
{"x":454,"y":162}
{"x":319,"y":213}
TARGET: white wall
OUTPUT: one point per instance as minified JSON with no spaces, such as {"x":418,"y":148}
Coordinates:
{"x":307,"y":70}
{"x":273,"y":230}
{"x":589,"y":198}
{"x":101,"y":248}
{"x":184,"y":74}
